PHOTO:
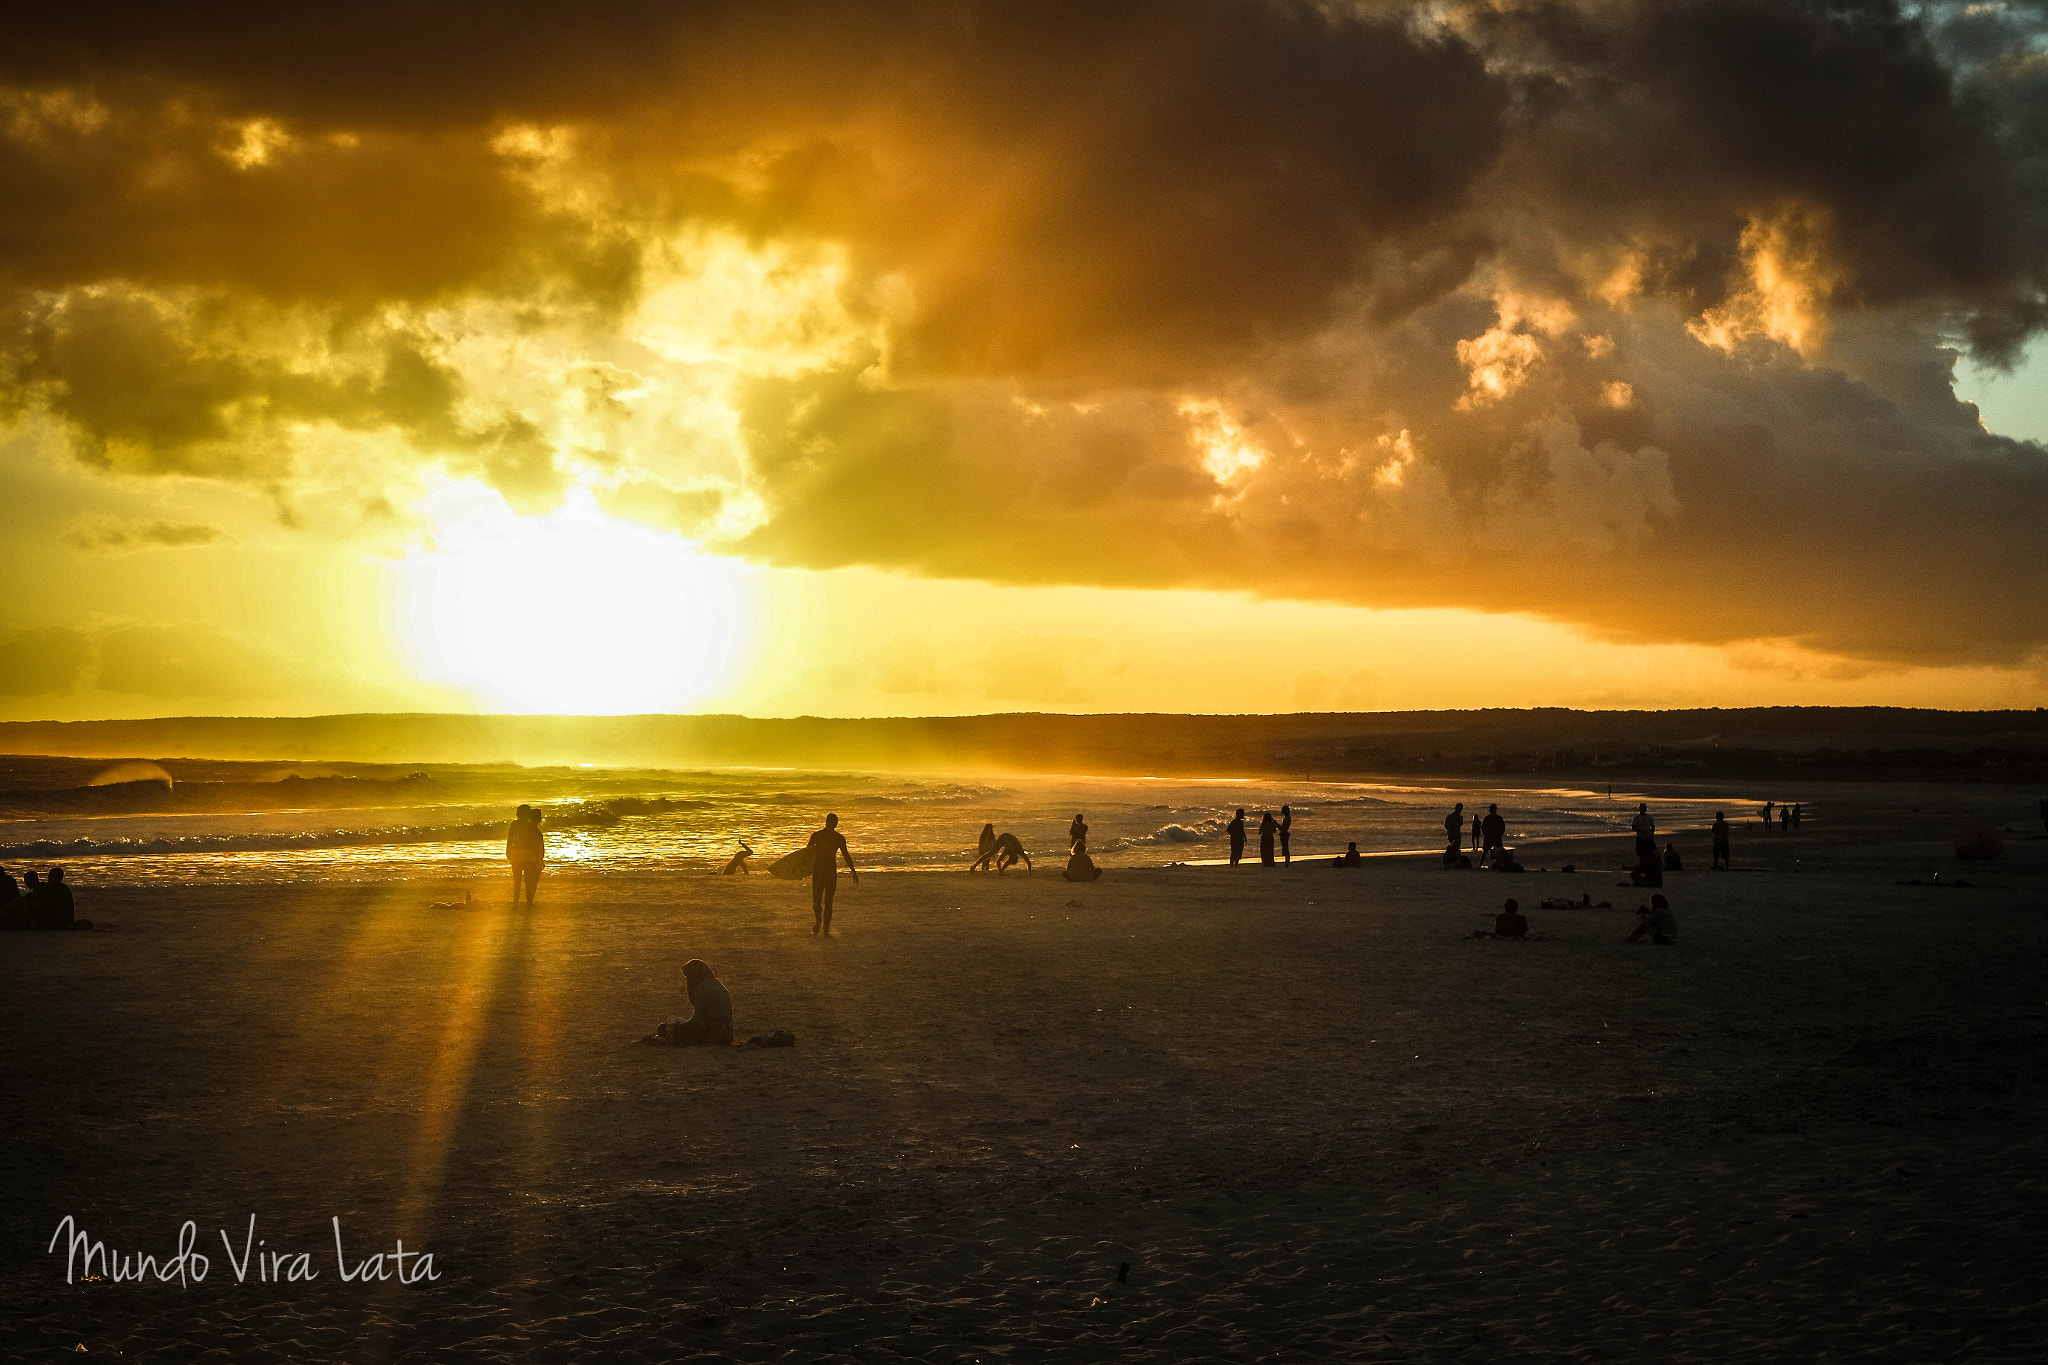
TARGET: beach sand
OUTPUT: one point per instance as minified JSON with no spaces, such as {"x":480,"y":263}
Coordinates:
{"x":1314,"y":1117}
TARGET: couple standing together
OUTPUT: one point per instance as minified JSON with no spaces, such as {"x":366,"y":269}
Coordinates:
{"x":1269,"y":829}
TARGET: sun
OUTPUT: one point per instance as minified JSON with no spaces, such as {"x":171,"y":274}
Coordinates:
{"x":572,"y":613}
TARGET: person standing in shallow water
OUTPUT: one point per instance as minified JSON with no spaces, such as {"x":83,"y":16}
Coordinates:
{"x":1268,"y":828}
{"x":1236,"y":831}
{"x":827,"y":846}
{"x":1286,"y":834}
{"x":526,"y":849}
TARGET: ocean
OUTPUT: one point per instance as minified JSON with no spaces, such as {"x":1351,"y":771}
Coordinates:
{"x":290,"y":823}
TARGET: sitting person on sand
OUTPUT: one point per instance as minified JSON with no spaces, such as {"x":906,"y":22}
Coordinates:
{"x":1672,"y":862}
{"x":738,"y":864}
{"x":1350,"y":858}
{"x":1081,"y":868}
{"x":710,"y":1021}
{"x":56,"y":911}
{"x":44,"y":904}
{"x":1511,"y":922}
{"x":1656,"y":921}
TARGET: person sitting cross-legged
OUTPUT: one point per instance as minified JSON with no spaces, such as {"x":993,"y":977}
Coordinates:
{"x":710,"y":1021}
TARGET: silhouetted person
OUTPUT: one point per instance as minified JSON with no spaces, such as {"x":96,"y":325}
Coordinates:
{"x":827,"y":846}
{"x":738,"y":864}
{"x":1287,"y":834}
{"x":526,"y":850}
{"x":15,"y":908}
{"x":1454,"y":828}
{"x":46,"y":905}
{"x":1645,"y":826}
{"x":1672,"y":862}
{"x":1511,"y":922}
{"x":1657,"y":921}
{"x":1495,"y":830}
{"x":710,"y":1021}
{"x":1077,"y":835}
{"x":1767,"y":816}
{"x":1009,"y":850}
{"x":1478,"y":832}
{"x":2044,"y":815}
{"x":1798,"y":813}
{"x":1350,"y":858}
{"x":987,"y":848}
{"x":1236,"y":831}
{"x":1081,"y":867}
{"x":1268,"y":828}
{"x":1720,"y":841}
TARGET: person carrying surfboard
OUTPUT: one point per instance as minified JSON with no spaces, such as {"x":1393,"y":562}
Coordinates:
{"x":827,"y":846}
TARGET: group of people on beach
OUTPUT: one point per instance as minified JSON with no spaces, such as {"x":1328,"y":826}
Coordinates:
{"x":1788,"y":815}
{"x":1489,"y":840}
{"x":40,"y":901}
{"x":1002,"y":852}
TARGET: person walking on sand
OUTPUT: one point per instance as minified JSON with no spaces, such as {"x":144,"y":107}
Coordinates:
{"x":526,"y":849}
{"x":1767,"y":815}
{"x":827,"y":846}
{"x":1798,"y":813}
{"x":1720,"y":842}
{"x":1268,"y":829}
{"x":1077,"y":836}
{"x":1236,"y":831}
{"x":1286,"y":834}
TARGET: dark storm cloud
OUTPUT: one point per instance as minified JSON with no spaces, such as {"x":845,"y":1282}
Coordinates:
{"x":114,"y":536}
{"x":1609,"y":306}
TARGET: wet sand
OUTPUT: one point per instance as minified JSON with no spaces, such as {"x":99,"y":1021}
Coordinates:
{"x":1314,"y":1117}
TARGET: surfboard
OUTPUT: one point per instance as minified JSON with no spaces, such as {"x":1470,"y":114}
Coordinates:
{"x":793,"y":867}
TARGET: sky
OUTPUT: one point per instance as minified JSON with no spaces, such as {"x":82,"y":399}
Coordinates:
{"x":945,"y":357}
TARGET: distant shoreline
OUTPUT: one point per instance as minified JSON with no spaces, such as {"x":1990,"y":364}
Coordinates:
{"x":1585,"y":747}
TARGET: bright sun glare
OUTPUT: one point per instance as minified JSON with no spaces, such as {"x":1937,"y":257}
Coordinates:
{"x":573,"y":613}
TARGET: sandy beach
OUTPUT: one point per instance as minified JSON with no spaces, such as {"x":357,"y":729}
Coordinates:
{"x":1312,"y":1117}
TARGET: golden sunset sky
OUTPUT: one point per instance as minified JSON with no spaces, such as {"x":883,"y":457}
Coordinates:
{"x":857,"y":359}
